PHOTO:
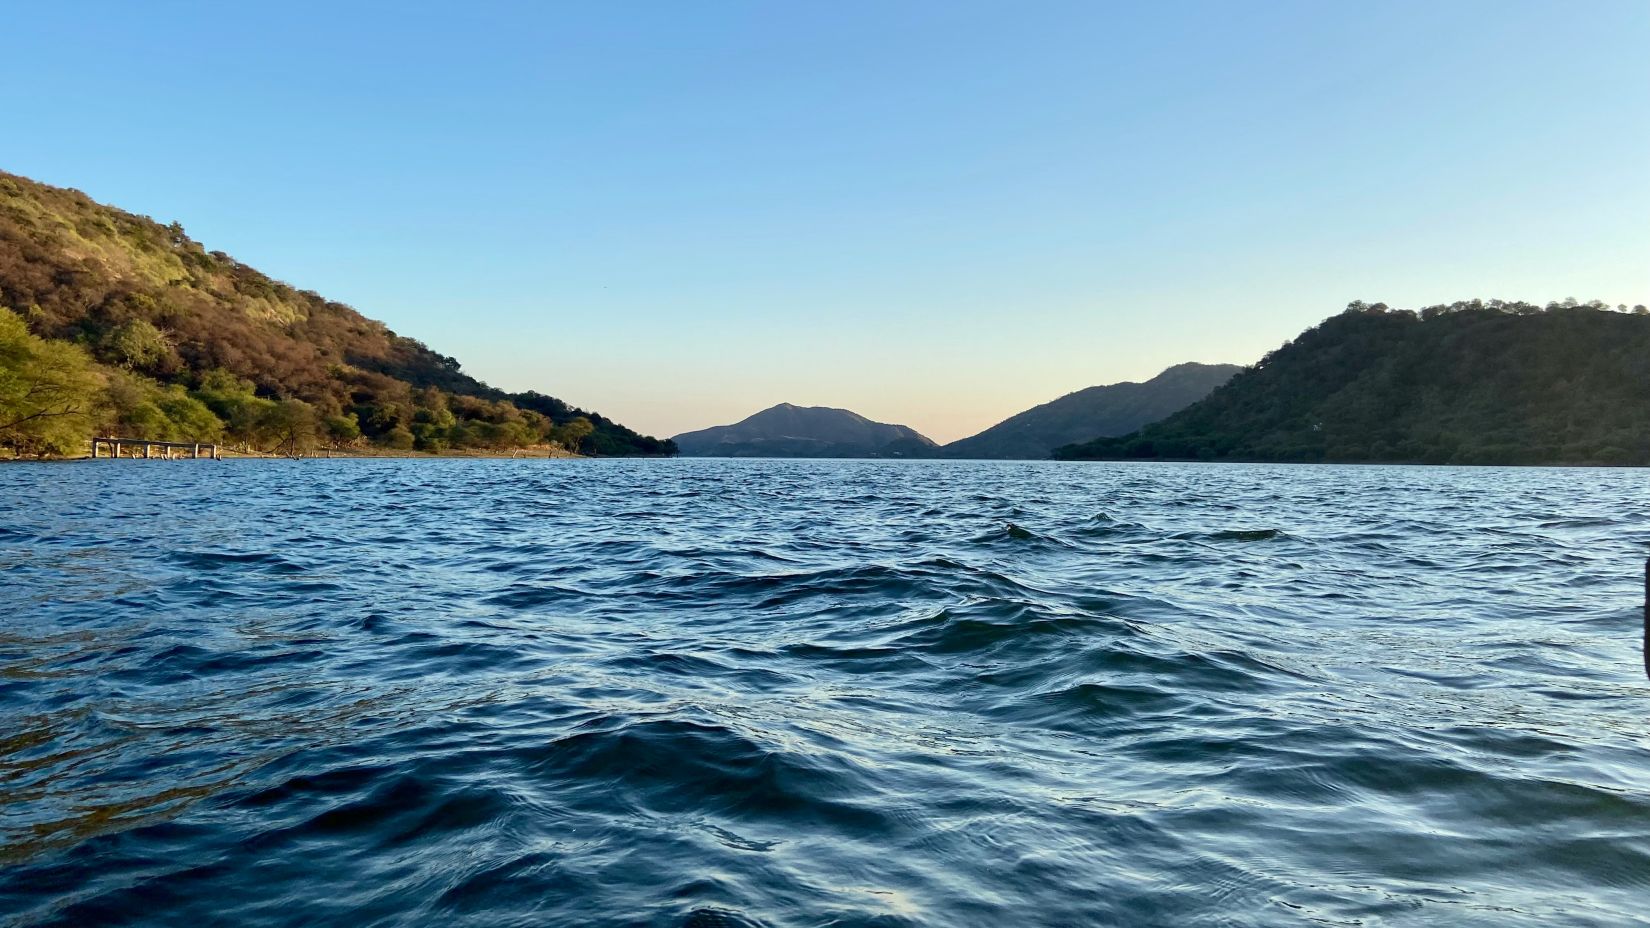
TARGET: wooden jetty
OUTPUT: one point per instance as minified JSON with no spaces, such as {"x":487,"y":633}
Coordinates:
{"x":169,"y":449}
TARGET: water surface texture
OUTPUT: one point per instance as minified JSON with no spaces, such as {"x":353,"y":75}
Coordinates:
{"x":716,"y":693}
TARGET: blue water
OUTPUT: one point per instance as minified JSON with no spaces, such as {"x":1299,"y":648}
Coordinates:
{"x":714,"y":693}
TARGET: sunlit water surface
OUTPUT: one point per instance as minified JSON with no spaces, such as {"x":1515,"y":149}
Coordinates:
{"x":714,"y":693}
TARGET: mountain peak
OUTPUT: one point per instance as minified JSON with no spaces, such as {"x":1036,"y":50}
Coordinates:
{"x":788,"y":430}
{"x":1112,"y":409}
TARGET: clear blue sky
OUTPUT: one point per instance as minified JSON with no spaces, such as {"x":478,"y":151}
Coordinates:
{"x":935,"y":213}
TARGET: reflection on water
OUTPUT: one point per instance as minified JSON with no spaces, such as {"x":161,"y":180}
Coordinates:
{"x":820,"y":693}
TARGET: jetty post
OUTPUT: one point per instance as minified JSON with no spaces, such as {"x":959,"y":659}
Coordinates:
{"x":170,"y":450}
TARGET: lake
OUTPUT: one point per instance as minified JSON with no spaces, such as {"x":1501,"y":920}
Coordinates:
{"x":839,"y":693}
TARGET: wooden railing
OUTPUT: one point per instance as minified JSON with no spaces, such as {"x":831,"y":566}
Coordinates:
{"x":115,"y":445}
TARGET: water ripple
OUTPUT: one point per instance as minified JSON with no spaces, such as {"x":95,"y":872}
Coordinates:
{"x":713,"y":693}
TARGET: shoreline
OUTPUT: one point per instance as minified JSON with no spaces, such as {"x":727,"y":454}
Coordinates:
{"x":558,"y":454}
{"x":225,"y":454}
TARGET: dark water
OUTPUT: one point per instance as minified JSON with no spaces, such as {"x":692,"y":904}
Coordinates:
{"x":710,"y":693}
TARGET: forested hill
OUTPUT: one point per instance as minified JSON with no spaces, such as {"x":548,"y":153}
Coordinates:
{"x":178,"y":342}
{"x":1469,"y":383}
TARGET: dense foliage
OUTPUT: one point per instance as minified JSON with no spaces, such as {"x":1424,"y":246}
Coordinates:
{"x":47,"y":390}
{"x":177,"y":342}
{"x":1478,"y":382}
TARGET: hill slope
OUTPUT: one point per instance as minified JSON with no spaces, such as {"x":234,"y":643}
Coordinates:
{"x":1114,"y":409}
{"x":1469,"y":383}
{"x":806,"y":432}
{"x":155,"y":310}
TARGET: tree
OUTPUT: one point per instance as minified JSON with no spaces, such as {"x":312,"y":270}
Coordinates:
{"x":397,"y":439}
{"x":572,"y":434}
{"x":47,"y":391}
{"x":137,"y":344}
{"x":288,"y":427}
{"x":385,"y":417}
{"x":190,"y":418}
{"x":235,"y":402}
{"x":342,"y":430}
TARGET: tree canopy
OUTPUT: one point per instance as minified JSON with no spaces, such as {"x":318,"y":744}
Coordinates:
{"x":48,"y":391}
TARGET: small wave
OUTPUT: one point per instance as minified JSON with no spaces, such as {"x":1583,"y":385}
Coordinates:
{"x":1236,"y":534}
{"x":1216,"y":670}
{"x":718,"y":918}
{"x":537,"y":595}
{"x":190,"y":662}
{"x":1102,"y":525}
{"x":226,"y":560}
{"x":858,"y":660}
{"x":994,"y":624}
{"x":1581,"y":522}
{"x":1014,"y":532}
{"x":673,"y":764}
{"x":1092,"y":703}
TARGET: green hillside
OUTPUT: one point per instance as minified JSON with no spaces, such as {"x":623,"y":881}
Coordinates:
{"x":1470,"y":383}
{"x":143,"y":332}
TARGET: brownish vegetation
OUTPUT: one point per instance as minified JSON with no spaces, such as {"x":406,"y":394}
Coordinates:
{"x":188,"y":343}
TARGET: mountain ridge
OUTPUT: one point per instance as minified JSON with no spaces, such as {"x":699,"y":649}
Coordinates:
{"x":789,"y":430}
{"x":1092,"y":412}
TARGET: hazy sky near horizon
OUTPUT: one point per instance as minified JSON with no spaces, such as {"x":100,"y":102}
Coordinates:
{"x":932,"y":213}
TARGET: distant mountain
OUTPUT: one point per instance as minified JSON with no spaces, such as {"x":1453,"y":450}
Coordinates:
{"x":1114,"y":409}
{"x":1469,"y":383}
{"x":173,"y":341}
{"x":787,"y":431}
